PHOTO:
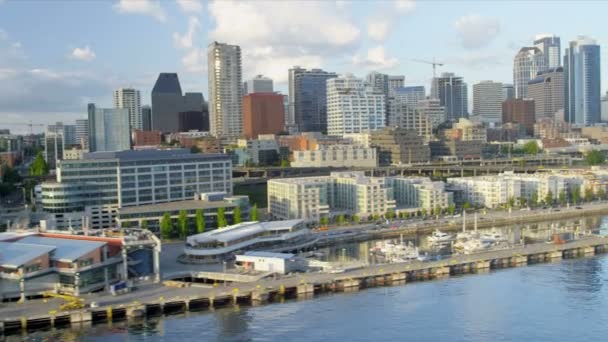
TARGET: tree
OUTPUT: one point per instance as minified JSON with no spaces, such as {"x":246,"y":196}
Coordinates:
{"x":595,"y":158}
{"x":576,"y":194}
{"x":195,"y":149}
{"x":356,"y":219}
{"x":341,"y":220}
{"x":588,"y":194}
{"x":437,"y":211}
{"x":562,"y":197}
{"x":549,"y":198}
{"x":452,"y":209}
{"x":221,"y":218}
{"x":601,"y":193}
{"x":511,"y":202}
{"x":522,"y":201}
{"x":182,"y":221}
{"x":534,"y":200}
{"x":375,"y":217}
{"x":236,"y":216}
{"x":166,"y":227}
{"x":285,"y":163}
{"x":466,"y":205}
{"x":324,"y":220}
{"x":390,"y":215}
{"x":531,"y":147}
{"x":424,"y":212}
{"x":11,"y":176}
{"x":144,"y":224}
{"x":254,"y":213}
{"x":39,"y":167}
{"x":200,"y":221}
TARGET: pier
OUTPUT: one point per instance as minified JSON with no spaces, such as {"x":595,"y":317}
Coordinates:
{"x":160,"y":300}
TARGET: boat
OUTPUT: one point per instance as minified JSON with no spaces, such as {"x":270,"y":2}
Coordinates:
{"x":396,"y":252}
{"x":493,"y":236}
{"x":476,"y":245}
{"x":438,"y":237}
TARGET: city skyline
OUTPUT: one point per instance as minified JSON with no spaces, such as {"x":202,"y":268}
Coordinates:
{"x":71,"y":67}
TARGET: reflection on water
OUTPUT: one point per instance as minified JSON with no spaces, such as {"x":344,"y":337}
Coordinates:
{"x":562,"y":301}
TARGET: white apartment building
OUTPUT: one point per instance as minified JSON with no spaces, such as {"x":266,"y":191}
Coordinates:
{"x":130,"y":99}
{"x":408,"y":117}
{"x":305,"y":198}
{"x":420,"y":192}
{"x":353,"y":106}
{"x":487,"y":101}
{"x":341,"y":155}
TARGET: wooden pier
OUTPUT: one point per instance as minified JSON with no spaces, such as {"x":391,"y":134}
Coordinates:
{"x":194,"y":298}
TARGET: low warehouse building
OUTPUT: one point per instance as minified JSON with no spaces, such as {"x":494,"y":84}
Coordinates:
{"x":282,"y":263}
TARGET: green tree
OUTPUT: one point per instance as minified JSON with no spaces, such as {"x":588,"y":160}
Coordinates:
{"x":534,"y":200}
{"x":253,"y":214}
{"x":595,"y":158}
{"x":144,"y":224}
{"x":356,"y":219}
{"x":236,"y":216}
{"x":522,"y":201}
{"x":200,"y":221}
{"x":39,"y":167}
{"x":182,"y":221}
{"x":285,"y":163}
{"x":452,"y":209}
{"x":11,"y":176}
{"x":375,"y":217}
{"x":466,"y":205}
{"x":390,"y":215}
{"x":437,"y":211}
{"x":531,"y":147}
{"x":341,"y":220}
{"x":576,"y":194}
{"x":324,"y":220}
{"x":221,"y":218}
{"x":601,"y":193}
{"x":562,"y":197}
{"x":549,"y":198}
{"x":511,"y":202}
{"x":166,"y":227}
{"x":588,"y":194}
{"x":424,"y":212}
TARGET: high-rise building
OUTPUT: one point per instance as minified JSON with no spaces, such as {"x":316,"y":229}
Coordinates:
{"x":146,"y":118}
{"x":168,"y":101}
{"x":395,"y":81}
{"x":68,"y":132}
{"x":82,"y":133}
{"x":263,"y":113}
{"x":582,"y":82}
{"x":432,"y":109}
{"x":409,"y":95}
{"x":487,"y":101}
{"x":225,"y":91}
{"x":379,"y":82}
{"x":550,"y":46}
{"x":130,"y":99}
{"x":410,"y":117}
{"x":451,"y":90}
{"x":526,"y":64}
{"x":258,"y":84}
{"x":508,"y":92}
{"x":547,"y":91}
{"x":519,"y":111}
{"x":604,"y":108}
{"x":353,"y":106}
{"x":53,"y":147}
{"x":308,"y":98}
{"x":108,"y":129}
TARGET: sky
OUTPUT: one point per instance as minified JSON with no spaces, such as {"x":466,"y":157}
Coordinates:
{"x":57,"y":56}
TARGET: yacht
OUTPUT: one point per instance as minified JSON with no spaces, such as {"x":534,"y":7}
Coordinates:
{"x":438,"y":237}
{"x":396,"y":252}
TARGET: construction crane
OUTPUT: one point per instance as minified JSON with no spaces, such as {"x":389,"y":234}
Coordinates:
{"x":433,"y":63}
{"x":30,"y":124}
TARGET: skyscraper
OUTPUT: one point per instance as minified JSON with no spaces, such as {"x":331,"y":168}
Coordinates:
{"x":130,"y":99}
{"x":68,"y":132}
{"x":108,"y":129}
{"x":409,"y":95}
{"x":547,"y":91}
{"x":353,"y":106}
{"x":582,"y":82}
{"x":258,"y":84}
{"x":395,"y":81}
{"x":451,"y":90}
{"x":167,"y":102}
{"x":308,"y":98}
{"x":526,"y":64}
{"x":508,"y":91}
{"x":82,"y":133}
{"x":433,"y":109}
{"x":263,"y":113}
{"x":550,"y":46}
{"x":487,"y":101}
{"x":146,"y":118}
{"x":378,"y":81}
{"x":225,"y":91}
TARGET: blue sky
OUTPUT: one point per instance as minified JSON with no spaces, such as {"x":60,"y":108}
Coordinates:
{"x":56,"y":56}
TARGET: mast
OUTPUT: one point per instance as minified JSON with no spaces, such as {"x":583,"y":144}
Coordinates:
{"x":464,"y":221}
{"x":476,"y":222}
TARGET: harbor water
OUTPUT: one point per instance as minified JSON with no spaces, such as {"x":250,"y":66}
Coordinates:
{"x":562,"y":301}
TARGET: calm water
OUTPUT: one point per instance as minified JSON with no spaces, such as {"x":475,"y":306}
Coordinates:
{"x":564,"y":301}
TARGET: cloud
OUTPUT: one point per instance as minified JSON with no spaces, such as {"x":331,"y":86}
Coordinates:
{"x":144,"y":7}
{"x":83,"y":54}
{"x":195,"y":61}
{"x":386,"y":15}
{"x":287,"y":31}
{"x":11,"y":51}
{"x":477,"y":60}
{"x":377,"y":29}
{"x":405,"y":6}
{"x":476,"y":31}
{"x":190,"y":6}
{"x":185,"y":41}
{"x":376,"y":58}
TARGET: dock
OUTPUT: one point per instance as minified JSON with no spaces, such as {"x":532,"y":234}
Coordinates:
{"x":159,"y":300}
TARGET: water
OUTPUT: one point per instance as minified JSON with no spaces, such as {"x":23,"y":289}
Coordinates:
{"x":563,"y":301}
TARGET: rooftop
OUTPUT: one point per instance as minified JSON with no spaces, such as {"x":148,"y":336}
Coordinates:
{"x":176,"y":206}
{"x":178,"y":153}
{"x":241,"y":230}
{"x":67,"y":250}
{"x":16,"y":254}
{"x":269,"y":255}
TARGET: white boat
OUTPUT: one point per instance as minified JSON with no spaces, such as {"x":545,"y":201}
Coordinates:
{"x":438,"y":237}
{"x":396,"y":252}
{"x":476,"y":245}
{"x":493,"y":236}
{"x":466,"y":235}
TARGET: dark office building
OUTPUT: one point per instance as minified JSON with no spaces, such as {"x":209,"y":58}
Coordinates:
{"x":168,"y":101}
{"x":308,"y":98}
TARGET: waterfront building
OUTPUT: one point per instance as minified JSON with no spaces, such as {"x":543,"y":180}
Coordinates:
{"x":340,"y":155}
{"x":508,"y":92}
{"x":420,"y":192}
{"x":282,"y":263}
{"x":220,"y":244}
{"x":582,"y":80}
{"x":487,"y":101}
{"x":526,"y":64}
{"x":100,"y":183}
{"x":519,"y":111}
{"x":82,"y":133}
{"x":168,"y":101}
{"x":33,"y":263}
{"x":308,"y":98}
{"x":263,"y":113}
{"x":396,"y":146}
{"x":353,"y":106}
{"x":258,"y":84}
{"x":225,"y":90}
{"x":451,"y":90}
{"x":130,"y":99}
{"x":108,"y":129}
{"x":550,"y":46}
{"x":146,"y":118}
{"x":547,"y":91}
